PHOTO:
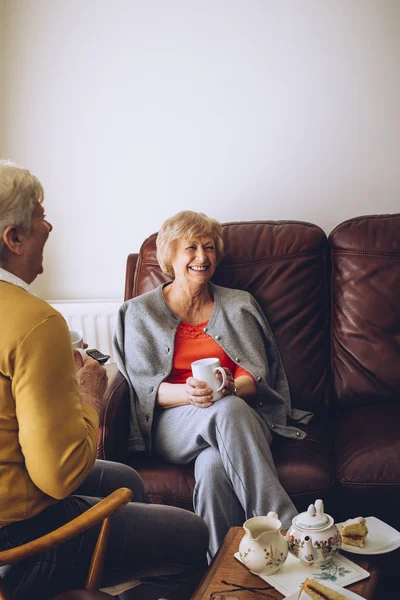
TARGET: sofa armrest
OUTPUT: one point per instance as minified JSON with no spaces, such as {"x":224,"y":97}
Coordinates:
{"x":114,"y":418}
{"x":130,"y":276}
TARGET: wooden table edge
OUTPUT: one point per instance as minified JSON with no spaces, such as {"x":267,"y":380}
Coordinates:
{"x":214,"y":565}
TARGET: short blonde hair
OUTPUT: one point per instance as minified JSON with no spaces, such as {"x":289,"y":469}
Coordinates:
{"x":20,"y":192}
{"x":186,"y":224}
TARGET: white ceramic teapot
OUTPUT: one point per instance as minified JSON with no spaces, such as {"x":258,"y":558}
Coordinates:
{"x":263,"y":548}
{"x":313,"y":537}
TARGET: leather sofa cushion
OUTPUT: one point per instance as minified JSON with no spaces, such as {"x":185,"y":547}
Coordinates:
{"x":366,"y":453}
{"x":166,"y":484}
{"x":367,"y":446}
{"x":366,"y":310}
{"x":305,"y":468}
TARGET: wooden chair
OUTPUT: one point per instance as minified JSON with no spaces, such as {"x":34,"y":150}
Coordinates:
{"x":100,"y":512}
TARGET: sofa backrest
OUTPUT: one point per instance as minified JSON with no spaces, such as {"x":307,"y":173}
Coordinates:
{"x":366,"y":310}
{"x":283,"y":264}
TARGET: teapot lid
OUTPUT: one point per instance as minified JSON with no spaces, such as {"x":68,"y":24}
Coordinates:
{"x":313,"y":518}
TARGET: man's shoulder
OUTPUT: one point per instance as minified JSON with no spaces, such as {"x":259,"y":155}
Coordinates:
{"x":20,"y":310}
{"x":17,"y":300}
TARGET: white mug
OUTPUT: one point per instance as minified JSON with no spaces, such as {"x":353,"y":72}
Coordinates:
{"x":205,"y":370}
{"x":76,"y":338}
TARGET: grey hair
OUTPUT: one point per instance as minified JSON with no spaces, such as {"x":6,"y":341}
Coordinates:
{"x":20,"y":192}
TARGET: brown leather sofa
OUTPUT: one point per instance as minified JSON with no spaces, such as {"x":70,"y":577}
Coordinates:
{"x":334,"y":307}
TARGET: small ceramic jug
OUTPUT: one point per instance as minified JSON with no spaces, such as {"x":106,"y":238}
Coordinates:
{"x":313,"y":536}
{"x":263,"y":548}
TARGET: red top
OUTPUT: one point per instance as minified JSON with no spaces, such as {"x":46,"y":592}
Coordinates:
{"x":191,"y":343}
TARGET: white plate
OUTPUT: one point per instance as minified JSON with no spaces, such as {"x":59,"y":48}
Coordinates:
{"x":337,"y":588}
{"x":381,"y":538}
{"x":291,"y":576}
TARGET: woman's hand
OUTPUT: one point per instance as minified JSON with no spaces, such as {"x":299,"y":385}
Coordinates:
{"x":198,"y":393}
{"x":229,"y":388}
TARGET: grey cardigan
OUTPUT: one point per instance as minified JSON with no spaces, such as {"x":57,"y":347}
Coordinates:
{"x":144,"y":347}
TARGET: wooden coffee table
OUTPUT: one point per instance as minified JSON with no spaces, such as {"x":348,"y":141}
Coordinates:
{"x":225,"y":567}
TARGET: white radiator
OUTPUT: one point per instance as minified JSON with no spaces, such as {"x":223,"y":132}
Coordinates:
{"x":96,"y":318}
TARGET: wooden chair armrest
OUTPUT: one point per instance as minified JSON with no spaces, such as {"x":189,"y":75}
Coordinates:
{"x":92,"y":516}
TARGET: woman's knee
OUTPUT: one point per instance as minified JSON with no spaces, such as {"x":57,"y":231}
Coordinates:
{"x":234,"y":408}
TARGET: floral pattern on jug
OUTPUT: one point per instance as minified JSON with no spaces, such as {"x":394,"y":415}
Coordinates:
{"x":272,"y":556}
{"x":263,"y":548}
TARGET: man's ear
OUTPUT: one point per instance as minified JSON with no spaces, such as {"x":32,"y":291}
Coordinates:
{"x":13,"y":238}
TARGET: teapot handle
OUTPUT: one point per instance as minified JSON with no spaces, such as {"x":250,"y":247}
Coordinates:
{"x":273,"y":515}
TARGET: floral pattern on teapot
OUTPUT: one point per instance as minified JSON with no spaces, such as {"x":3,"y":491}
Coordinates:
{"x":327,"y":547}
{"x":313,"y":537}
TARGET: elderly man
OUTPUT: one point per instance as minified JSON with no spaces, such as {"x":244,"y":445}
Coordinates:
{"x":49,"y":407}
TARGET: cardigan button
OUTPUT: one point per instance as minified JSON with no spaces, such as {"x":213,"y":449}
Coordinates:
{"x":261,"y":404}
{"x":298,"y":433}
{"x":205,"y":329}
{"x":217,"y":337}
{"x":147,"y":418}
{"x":237,"y":359}
{"x":273,"y":426}
{"x":259,"y":378}
{"x":168,"y":350}
{"x":151,"y":390}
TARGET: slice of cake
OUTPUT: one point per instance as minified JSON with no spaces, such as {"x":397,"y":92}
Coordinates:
{"x":313,"y":590}
{"x":354,"y":532}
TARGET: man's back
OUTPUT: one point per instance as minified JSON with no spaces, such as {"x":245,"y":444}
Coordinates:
{"x":35,"y":370}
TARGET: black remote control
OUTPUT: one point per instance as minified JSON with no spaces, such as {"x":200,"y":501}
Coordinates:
{"x":97,"y":355}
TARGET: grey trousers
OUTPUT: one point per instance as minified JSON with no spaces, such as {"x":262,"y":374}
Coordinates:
{"x":163,"y":546}
{"x":234,"y":470}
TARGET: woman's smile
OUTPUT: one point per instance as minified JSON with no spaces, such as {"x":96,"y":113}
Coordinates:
{"x":201,"y":250}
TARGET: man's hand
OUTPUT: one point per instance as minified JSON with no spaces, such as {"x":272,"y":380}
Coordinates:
{"x":92,"y":380}
{"x":78,"y":359}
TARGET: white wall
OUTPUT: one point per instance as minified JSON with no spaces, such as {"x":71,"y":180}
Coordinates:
{"x":2,"y":50}
{"x":129,"y":111}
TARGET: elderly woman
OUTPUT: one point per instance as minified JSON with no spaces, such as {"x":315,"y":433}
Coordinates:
{"x":159,"y":335}
{"x":49,"y":409}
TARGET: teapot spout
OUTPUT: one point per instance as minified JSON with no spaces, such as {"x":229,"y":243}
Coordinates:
{"x":308,"y":549}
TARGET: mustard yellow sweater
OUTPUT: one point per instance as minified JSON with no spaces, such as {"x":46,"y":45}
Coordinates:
{"x":48,"y":439}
